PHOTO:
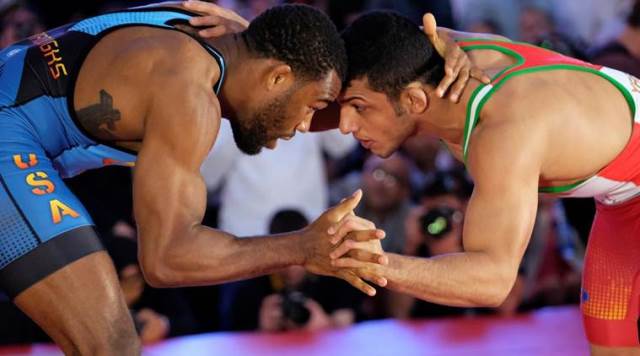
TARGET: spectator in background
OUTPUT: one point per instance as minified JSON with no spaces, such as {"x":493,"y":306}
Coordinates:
{"x":588,"y":21}
{"x":18,"y":22}
{"x":430,"y":156}
{"x":501,"y":12}
{"x":434,"y":227}
{"x":385,"y":202}
{"x":537,"y":27}
{"x":414,"y":9}
{"x":446,"y":195}
{"x":254,"y":189}
{"x":485,"y":26}
{"x":248,"y":9}
{"x":553,"y":261}
{"x":623,"y":53}
{"x":107,"y":195}
{"x":582,"y":21}
{"x":290,"y":299}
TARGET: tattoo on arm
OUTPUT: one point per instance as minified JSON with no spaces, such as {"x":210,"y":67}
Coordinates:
{"x":99,"y":119}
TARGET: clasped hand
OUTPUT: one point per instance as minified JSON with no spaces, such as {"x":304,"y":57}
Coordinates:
{"x":343,"y":245}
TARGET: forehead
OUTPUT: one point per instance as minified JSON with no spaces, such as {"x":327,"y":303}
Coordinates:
{"x":326,"y":88}
{"x":360,"y":89}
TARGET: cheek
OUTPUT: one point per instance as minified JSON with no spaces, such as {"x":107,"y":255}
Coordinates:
{"x":383,"y":130}
{"x":287,"y":116}
{"x":397,"y":131}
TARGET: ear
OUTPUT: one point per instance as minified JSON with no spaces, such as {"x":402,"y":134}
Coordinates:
{"x":279,"y":76}
{"x":414,"y":98}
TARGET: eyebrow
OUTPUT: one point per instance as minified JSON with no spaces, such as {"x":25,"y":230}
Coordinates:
{"x":353,"y":97}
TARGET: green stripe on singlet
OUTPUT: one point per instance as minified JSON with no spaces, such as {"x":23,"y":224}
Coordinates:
{"x":561,"y":188}
{"x":473,"y":121}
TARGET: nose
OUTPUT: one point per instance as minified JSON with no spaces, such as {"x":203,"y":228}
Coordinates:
{"x":304,"y":125}
{"x":347,"y":124}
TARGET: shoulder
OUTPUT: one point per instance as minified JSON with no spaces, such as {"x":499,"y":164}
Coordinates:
{"x":507,"y":142}
{"x":181,"y":90}
{"x":178,"y":53}
{"x":183,"y":73}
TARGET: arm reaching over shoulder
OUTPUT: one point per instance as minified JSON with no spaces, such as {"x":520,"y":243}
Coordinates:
{"x":458,"y":67}
{"x":505,"y":163}
{"x":215,"y":20}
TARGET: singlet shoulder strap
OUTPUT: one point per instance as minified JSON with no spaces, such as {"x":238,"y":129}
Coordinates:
{"x":482,"y":93}
{"x":221,"y":63}
{"x":154,"y":16}
{"x":529,"y":59}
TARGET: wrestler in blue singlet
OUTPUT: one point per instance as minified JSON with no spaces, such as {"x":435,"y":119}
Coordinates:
{"x":41,"y":221}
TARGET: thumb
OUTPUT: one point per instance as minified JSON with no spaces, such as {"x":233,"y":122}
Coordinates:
{"x":431,"y":30}
{"x":346,"y":206}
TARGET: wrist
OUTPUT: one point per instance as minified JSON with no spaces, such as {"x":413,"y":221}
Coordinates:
{"x":390,"y":270}
{"x":300,"y":255}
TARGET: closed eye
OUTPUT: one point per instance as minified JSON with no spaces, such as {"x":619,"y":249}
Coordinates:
{"x":359,"y":108}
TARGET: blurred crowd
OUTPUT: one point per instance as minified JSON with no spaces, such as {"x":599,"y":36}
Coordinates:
{"x":418,"y":195}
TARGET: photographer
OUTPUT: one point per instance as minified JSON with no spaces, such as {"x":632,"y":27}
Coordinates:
{"x":157,"y":313}
{"x":434,"y":227}
{"x":17,"y":21}
{"x":290,"y":299}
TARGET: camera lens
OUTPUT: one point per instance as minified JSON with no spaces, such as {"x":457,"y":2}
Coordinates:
{"x":294,"y":309}
{"x":437,"y":221}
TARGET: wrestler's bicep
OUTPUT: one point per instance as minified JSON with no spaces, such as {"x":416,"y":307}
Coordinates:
{"x":169,"y":191}
{"x":502,"y":209}
{"x":499,"y":220}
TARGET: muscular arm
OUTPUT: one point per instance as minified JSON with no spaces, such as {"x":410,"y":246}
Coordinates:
{"x":498,"y":225}
{"x":170,"y":197}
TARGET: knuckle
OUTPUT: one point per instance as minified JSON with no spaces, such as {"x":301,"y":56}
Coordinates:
{"x":350,"y":224}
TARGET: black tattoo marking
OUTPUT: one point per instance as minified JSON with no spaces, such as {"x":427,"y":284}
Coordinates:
{"x":100,"y":119}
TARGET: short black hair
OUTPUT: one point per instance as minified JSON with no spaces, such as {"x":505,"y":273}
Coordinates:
{"x":300,"y":36}
{"x":391,"y":52}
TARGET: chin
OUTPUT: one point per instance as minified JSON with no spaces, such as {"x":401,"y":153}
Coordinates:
{"x":249,"y":151}
{"x":384,"y":152}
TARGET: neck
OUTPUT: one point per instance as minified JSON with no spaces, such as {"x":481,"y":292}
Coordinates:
{"x":235,"y":52}
{"x":444,"y":118}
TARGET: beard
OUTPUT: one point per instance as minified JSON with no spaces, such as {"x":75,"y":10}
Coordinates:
{"x":252,"y":134}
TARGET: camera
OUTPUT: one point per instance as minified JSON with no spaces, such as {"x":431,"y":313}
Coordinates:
{"x":439,"y":221}
{"x":294,"y":308}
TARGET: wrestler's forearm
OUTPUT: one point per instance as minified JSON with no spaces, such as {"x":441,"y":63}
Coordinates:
{"x":469,"y":279}
{"x":210,"y":256}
